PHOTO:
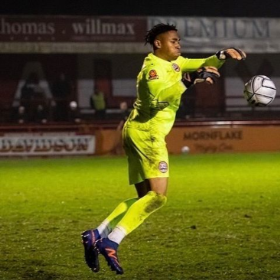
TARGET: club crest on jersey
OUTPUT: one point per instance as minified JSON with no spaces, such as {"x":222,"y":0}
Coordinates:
{"x":163,"y":167}
{"x":153,"y":75}
{"x":176,"y":67}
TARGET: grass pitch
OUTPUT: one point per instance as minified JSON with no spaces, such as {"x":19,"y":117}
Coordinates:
{"x":221,"y":220}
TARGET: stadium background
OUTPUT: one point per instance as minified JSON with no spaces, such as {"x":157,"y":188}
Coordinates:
{"x":211,"y":114}
{"x":223,"y":207}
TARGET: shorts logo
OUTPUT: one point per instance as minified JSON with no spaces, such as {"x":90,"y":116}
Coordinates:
{"x":163,"y":167}
{"x":176,"y":67}
{"x":153,"y":75}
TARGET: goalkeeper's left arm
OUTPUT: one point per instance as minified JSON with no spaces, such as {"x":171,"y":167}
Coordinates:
{"x":216,"y":60}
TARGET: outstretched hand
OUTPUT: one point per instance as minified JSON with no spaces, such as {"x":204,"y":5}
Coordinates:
{"x":208,"y":74}
{"x":231,"y":53}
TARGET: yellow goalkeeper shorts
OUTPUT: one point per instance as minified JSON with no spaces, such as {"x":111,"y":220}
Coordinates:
{"x":147,"y":154}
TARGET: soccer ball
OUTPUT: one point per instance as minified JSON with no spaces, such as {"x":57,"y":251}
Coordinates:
{"x":259,"y":91}
{"x":73,"y":105}
{"x":185,"y":150}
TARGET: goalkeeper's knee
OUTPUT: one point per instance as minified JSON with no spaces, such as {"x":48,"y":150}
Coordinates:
{"x":141,"y":210}
{"x":155,"y":202}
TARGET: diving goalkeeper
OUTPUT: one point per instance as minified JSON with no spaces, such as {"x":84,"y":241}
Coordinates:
{"x":164,"y":77}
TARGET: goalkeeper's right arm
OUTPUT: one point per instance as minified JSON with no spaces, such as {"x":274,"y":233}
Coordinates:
{"x":208,"y":74}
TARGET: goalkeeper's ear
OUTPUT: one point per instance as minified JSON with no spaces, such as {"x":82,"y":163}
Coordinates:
{"x":231,"y":53}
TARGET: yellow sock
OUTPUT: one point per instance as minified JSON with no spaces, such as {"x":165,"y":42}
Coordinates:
{"x":138,"y":212}
{"x":110,"y":222}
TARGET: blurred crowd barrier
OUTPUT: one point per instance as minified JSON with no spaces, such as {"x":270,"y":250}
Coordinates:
{"x":51,"y":111}
{"x":38,"y":111}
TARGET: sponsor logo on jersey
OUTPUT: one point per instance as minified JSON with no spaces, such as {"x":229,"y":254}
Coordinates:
{"x":163,"y":167}
{"x":176,"y":67}
{"x":153,"y":75}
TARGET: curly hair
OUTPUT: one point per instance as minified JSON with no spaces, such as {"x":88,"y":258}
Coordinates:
{"x":156,"y":30}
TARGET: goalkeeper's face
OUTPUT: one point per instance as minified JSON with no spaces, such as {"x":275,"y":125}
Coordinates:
{"x":167,"y":45}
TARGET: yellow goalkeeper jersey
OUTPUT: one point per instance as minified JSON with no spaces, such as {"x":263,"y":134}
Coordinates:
{"x":159,"y":90}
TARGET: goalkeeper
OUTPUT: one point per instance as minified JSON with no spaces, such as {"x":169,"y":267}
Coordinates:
{"x":165,"y":75}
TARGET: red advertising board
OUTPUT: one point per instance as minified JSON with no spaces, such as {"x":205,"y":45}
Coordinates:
{"x":72,"y":29}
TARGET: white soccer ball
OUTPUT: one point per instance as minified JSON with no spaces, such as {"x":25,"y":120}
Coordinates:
{"x":185,"y":150}
{"x":259,"y":91}
{"x":73,"y":105}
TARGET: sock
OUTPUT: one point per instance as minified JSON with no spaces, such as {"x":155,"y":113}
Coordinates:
{"x":117,"y":235}
{"x":136,"y":215}
{"x":104,"y":229}
{"x":111,"y":221}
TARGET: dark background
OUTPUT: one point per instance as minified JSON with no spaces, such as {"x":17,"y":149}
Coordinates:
{"x":216,"y":8}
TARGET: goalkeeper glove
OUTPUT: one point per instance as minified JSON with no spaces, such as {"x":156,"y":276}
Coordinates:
{"x":207,"y":74}
{"x":231,"y":53}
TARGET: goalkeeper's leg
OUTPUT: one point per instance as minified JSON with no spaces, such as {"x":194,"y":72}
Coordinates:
{"x":152,"y":197}
{"x":90,"y":237}
{"x":117,"y":214}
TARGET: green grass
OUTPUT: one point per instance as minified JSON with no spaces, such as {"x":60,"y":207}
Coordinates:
{"x":221,"y":220}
